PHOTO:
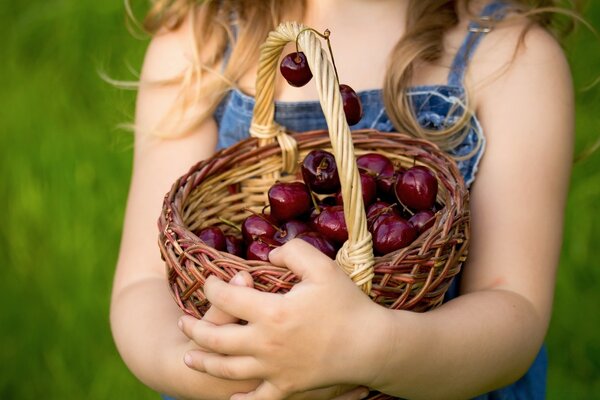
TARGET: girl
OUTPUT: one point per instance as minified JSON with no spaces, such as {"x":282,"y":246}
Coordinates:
{"x":324,"y":338}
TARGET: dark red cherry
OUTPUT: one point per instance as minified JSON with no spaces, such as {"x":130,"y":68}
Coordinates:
{"x":331,"y":200}
{"x":331,"y":224}
{"x":289,"y":200}
{"x":295,"y":69}
{"x":422,"y":220}
{"x":352,"y":105}
{"x":320,"y":172}
{"x":259,"y":249}
{"x":369,"y":188}
{"x":318,"y":241}
{"x":234,"y":245}
{"x":257,"y":226}
{"x":379,"y":210}
{"x":392,"y":233}
{"x":213,"y":237}
{"x":381,"y":167}
{"x":376,"y":164}
{"x":417,"y":188}
{"x":290,"y":230}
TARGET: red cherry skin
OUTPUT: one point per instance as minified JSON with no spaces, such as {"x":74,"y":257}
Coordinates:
{"x":320,"y":173}
{"x":257,"y":226}
{"x":331,"y":224}
{"x":288,"y":200}
{"x":213,"y":236}
{"x":290,"y":230}
{"x":235,"y":245}
{"x":259,"y":249}
{"x":317,"y":240}
{"x":392,"y":233}
{"x":352,"y":105}
{"x":378,"y":210}
{"x":369,"y":188}
{"x":422,"y":220}
{"x":295,"y":69}
{"x":417,"y":188}
{"x":376,"y":164}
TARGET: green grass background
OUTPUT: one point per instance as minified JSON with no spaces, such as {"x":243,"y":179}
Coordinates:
{"x":64,"y":174}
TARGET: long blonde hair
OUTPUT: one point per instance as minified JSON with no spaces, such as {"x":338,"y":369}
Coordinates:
{"x":428,"y":21}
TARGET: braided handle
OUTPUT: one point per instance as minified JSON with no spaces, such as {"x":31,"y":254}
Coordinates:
{"x":356,"y":255}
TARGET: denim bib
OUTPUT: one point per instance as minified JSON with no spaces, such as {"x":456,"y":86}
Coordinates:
{"x":436,"y":107}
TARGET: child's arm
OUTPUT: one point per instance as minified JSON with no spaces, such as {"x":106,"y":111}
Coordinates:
{"x":143,"y":314}
{"x":482,"y":340}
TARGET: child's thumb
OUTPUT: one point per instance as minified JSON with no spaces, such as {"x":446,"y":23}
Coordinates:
{"x":242,"y":278}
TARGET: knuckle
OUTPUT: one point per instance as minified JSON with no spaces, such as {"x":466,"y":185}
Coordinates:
{"x":225,"y":371}
{"x":277,"y":314}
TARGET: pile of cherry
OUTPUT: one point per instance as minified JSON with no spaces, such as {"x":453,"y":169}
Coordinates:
{"x":399,"y":203}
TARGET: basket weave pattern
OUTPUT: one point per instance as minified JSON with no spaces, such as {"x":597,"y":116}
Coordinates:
{"x":237,"y":179}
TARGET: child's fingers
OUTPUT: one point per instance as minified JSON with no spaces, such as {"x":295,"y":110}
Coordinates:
{"x":219,"y":317}
{"x":224,"y":367}
{"x":242,"y":302}
{"x":225,"y":339}
{"x":358,"y":393}
{"x":339,"y":392}
{"x":303,"y":259}
{"x":265,"y":391}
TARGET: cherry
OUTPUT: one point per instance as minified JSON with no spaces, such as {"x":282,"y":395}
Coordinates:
{"x":213,"y":236}
{"x":369,"y":188}
{"x":352,"y":105}
{"x":417,"y":188}
{"x":317,"y":240}
{"x":259,"y":249}
{"x":422,"y":220}
{"x":377,"y":211}
{"x":290,"y":230}
{"x":295,"y":69}
{"x":332,"y":224}
{"x":376,"y":164}
{"x":235,"y":245}
{"x":332,"y":200}
{"x":320,"y":172}
{"x":257,"y":226}
{"x":289,"y":200}
{"x":392,"y":233}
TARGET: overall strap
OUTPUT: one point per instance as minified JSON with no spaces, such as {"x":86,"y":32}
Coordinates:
{"x":233,"y":26}
{"x":492,"y":13}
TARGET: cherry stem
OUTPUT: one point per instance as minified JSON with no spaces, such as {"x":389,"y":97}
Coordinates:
{"x":230,"y":223}
{"x":262,"y":216}
{"x":322,"y":165}
{"x":325,"y":35}
{"x":314,"y":200}
{"x":403,"y":206}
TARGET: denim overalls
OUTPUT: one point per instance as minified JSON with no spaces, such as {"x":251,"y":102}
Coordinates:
{"x":434,"y":105}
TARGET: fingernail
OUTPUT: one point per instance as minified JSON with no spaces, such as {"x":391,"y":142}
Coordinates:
{"x":187,"y":359}
{"x":237,"y":279}
{"x":363,"y":395}
{"x":180,"y":323}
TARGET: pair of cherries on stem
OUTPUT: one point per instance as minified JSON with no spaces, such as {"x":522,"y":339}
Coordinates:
{"x":294,"y":68}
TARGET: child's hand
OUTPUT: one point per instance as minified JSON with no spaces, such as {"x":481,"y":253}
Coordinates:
{"x":217,"y":316}
{"x":323,"y":332}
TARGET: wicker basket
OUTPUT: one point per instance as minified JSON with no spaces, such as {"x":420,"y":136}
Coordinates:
{"x":237,"y":178}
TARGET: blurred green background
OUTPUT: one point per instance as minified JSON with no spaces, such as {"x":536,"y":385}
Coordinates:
{"x":65,"y":168}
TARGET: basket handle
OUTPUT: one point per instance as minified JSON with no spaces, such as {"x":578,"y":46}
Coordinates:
{"x":356,"y":255}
